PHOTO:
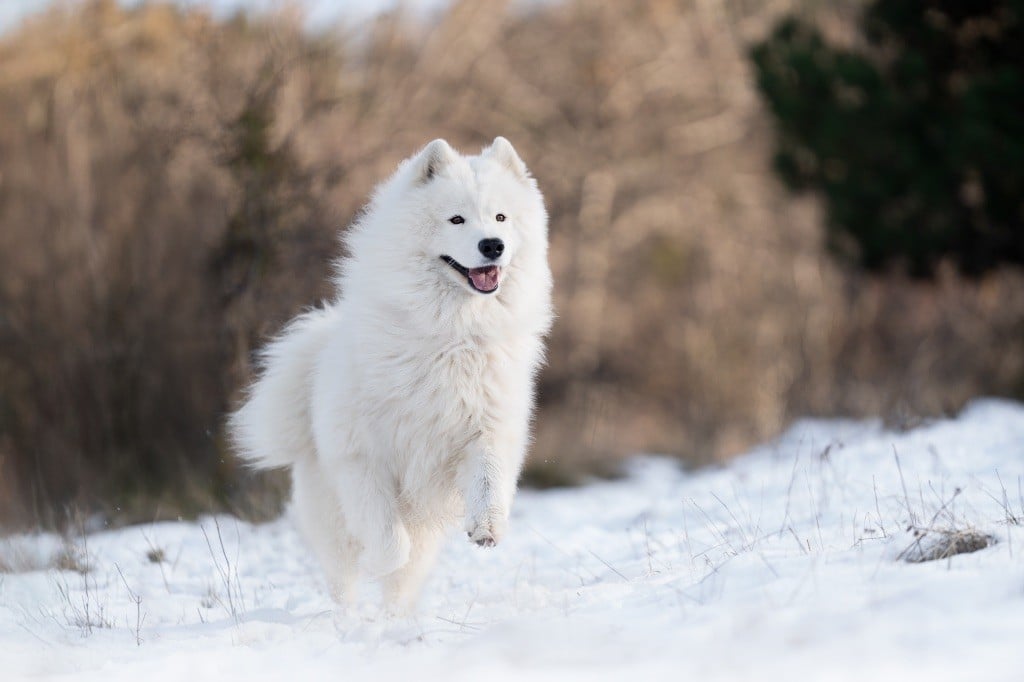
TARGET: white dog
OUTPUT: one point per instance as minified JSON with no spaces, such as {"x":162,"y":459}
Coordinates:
{"x":407,"y":401}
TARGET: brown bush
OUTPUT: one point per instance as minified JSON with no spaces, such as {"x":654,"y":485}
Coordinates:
{"x":171,"y":187}
{"x":149,"y":204}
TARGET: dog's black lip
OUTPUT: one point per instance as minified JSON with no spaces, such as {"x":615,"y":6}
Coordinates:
{"x":464,"y":271}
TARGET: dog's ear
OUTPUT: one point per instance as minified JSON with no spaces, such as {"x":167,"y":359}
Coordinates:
{"x":432,"y":160}
{"x":501,"y":150}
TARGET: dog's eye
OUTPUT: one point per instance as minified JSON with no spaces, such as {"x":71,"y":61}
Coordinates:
{"x":456,"y":220}
{"x":500,"y":217}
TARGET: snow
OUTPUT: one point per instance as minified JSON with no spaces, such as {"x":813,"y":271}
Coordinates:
{"x":785,"y":563}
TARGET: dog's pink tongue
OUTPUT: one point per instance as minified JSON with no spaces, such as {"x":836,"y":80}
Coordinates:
{"x":485,"y":279}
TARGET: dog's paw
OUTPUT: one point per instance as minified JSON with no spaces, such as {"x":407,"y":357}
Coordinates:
{"x":386,"y":557}
{"x":486,"y":530}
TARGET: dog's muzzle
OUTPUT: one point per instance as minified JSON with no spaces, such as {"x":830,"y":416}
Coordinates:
{"x":484,"y":280}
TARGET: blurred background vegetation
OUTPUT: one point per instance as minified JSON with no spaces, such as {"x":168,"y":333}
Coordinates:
{"x":172,"y":184}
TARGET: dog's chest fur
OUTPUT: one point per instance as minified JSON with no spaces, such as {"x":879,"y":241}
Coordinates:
{"x":427,"y":410}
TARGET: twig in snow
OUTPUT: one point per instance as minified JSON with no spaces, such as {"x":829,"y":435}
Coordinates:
{"x":469,"y":607}
{"x":713,"y":529}
{"x":747,"y":544}
{"x":817,"y":514}
{"x":85,"y":613}
{"x":878,"y":510}
{"x":140,"y":617}
{"x":647,"y":546}
{"x":1020,"y":494}
{"x":610,"y":567}
{"x":903,"y":482}
{"x":805,"y":550}
{"x":789,"y":494}
{"x":593,"y":575}
{"x":686,"y":536}
{"x":1011,"y":518}
{"x":935,"y":517}
{"x":462,"y":624}
{"x":156,"y":555}
{"x":228,"y":575}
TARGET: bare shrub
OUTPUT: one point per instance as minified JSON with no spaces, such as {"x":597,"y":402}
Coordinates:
{"x":171,"y":187}
{"x":149,"y":204}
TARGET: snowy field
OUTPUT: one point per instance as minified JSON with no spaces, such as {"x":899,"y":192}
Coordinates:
{"x":790,"y":563}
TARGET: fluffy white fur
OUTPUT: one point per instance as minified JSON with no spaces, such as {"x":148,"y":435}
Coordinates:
{"x":407,"y":401}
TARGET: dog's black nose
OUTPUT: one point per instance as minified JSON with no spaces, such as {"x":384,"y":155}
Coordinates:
{"x":491,"y":248}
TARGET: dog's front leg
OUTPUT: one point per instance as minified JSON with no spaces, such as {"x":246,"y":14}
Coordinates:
{"x":489,"y":483}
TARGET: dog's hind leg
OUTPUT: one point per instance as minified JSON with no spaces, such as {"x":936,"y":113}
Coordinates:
{"x":370,"y":508}
{"x":318,"y":514}
{"x":402,"y":587}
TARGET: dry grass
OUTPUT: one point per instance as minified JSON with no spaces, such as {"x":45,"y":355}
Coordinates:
{"x":945,"y":535}
{"x":71,"y":558}
{"x":933,"y":544}
{"x":171,"y":187}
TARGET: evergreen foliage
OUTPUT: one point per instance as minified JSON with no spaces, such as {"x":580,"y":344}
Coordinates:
{"x":915,"y":138}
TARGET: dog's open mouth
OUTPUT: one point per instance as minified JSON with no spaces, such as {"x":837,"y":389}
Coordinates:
{"x":485,"y":279}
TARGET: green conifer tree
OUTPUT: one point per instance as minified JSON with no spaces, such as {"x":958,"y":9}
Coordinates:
{"x":914,"y":139}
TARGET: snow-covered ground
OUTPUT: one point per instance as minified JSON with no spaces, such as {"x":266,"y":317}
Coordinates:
{"x":787,"y":564}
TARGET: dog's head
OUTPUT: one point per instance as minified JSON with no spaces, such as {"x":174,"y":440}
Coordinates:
{"x":477,"y":214}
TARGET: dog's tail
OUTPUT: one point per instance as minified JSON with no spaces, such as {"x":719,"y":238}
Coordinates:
{"x":273,"y":427}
